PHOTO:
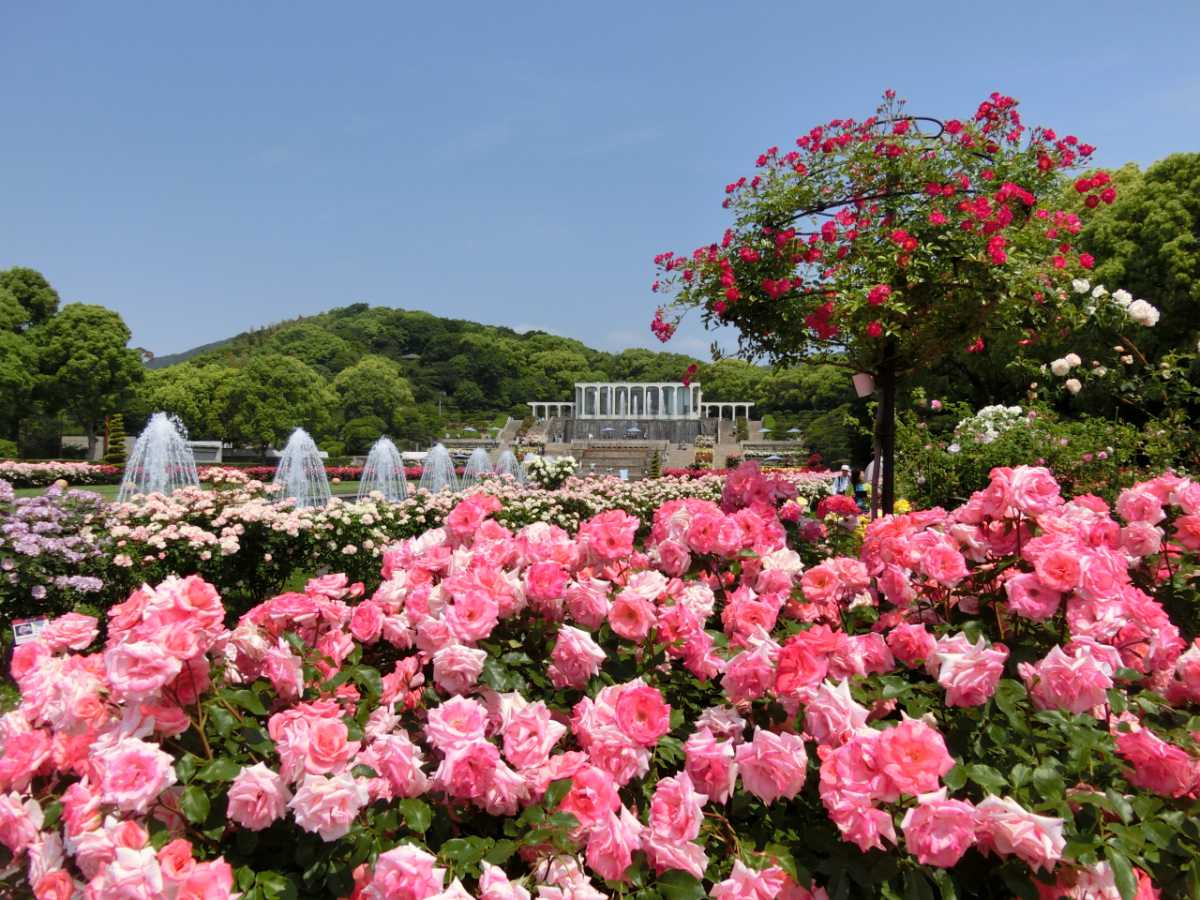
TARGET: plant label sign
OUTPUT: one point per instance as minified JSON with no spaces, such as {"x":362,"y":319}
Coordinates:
{"x":25,"y":630}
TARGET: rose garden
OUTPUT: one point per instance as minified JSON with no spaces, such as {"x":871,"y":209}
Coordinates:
{"x":983,"y":682}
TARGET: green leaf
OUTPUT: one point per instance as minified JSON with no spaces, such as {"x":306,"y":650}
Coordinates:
{"x":916,"y":886}
{"x":945,"y":883}
{"x":1122,"y":872}
{"x":987,"y":777}
{"x":1121,"y":806}
{"x":361,"y":771}
{"x":276,"y":887}
{"x":193,"y":803}
{"x":555,"y":793}
{"x":220,"y":769}
{"x":677,"y":885}
{"x":1047,"y":780}
{"x":501,"y":852}
{"x":247,"y":700}
{"x":465,"y":852}
{"x":185,"y":767}
{"x":956,"y":778}
{"x":417,"y":814}
{"x":51,"y":813}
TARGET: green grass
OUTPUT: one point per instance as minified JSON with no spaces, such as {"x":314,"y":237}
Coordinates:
{"x":109,"y":491}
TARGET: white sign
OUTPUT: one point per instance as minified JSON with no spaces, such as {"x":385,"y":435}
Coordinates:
{"x":25,"y":630}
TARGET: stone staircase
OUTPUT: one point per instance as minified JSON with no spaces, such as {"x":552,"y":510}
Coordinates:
{"x":610,"y":460}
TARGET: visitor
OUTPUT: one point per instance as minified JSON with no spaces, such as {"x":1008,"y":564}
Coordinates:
{"x":841,"y":481}
{"x":862,"y":491}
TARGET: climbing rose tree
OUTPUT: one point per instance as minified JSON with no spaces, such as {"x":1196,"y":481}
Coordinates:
{"x":889,"y":242}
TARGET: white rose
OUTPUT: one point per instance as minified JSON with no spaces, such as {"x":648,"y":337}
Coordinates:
{"x":1128,"y":360}
{"x":1060,"y":367}
{"x":1101,"y":371}
{"x":1081,"y":285}
{"x":1122,"y":297}
{"x":1073,"y":360}
{"x":1073,"y":385}
{"x":1143,"y":313}
{"x":1099,"y":292}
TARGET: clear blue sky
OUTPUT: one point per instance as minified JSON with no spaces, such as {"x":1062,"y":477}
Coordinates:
{"x":205,"y":167}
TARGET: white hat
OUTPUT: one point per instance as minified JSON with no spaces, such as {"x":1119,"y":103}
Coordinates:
{"x":845,"y":468}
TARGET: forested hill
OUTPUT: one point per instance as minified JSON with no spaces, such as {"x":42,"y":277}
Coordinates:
{"x":362,"y":362}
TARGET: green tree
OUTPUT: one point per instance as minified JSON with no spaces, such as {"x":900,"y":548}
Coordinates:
{"x":18,"y":378}
{"x":731,"y":379}
{"x":32,"y":292}
{"x":192,"y":392}
{"x":114,"y":451}
{"x":314,"y":346}
{"x":373,"y":386}
{"x":87,"y":369}
{"x":271,"y":396}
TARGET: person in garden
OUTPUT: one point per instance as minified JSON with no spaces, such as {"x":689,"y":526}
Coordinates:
{"x":860,"y":490}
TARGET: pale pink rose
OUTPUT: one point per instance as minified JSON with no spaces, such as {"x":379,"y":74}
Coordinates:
{"x":751,"y":673}
{"x":575,"y":658}
{"x":711,"y":765}
{"x":405,"y":872}
{"x":1140,"y":539}
{"x":608,"y":535}
{"x":494,"y":885}
{"x":327,"y":805}
{"x":631,"y":616}
{"x":1077,"y":682}
{"x":970,"y":675}
{"x":641,"y":713}
{"x":133,"y":773}
{"x":768,"y":884}
{"x":673,"y":558}
{"x":530,"y":736}
{"x":939,"y":831}
{"x":257,"y":797}
{"x":20,"y":820}
{"x":175,"y":860}
{"x":831,"y":715}
{"x":473,"y":615}
{"x":93,"y":851}
{"x":861,"y":654}
{"x":944,"y":564}
{"x":1007,"y":828}
{"x":1028,"y":597}
{"x":73,"y":631}
{"x":665,"y":853}
{"x":132,"y":875}
{"x":545,"y":581}
{"x":55,"y":885}
{"x":911,"y":643}
{"x":1187,"y":531}
{"x":773,"y":765}
{"x":328,"y":747}
{"x":456,"y":668}
{"x":592,"y":796}
{"x":208,"y":881}
{"x":457,"y":721}
{"x":1157,"y":765}
{"x":913,"y":756}
{"x":139,"y":669}
{"x":26,"y":755}
{"x":676,"y":809}
{"x":398,"y":760}
{"x":507,"y":791}
{"x":618,"y":756}
{"x":366,"y":623}
{"x":612,"y":843}
{"x":468,"y":769}
{"x":1034,"y":490}
{"x":1059,"y":568}
{"x":1138,"y":504}
{"x":587,"y":601}
{"x":285,"y":671}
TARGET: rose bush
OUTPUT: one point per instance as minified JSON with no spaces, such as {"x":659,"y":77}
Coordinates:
{"x":992,"y":701}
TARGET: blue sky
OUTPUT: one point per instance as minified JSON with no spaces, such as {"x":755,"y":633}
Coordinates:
{"x":207,"y":167}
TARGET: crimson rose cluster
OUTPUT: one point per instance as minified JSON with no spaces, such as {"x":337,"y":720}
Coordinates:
{"x":988,"y":701}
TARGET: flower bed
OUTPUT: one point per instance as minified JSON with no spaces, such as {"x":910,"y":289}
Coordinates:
{"x":43,"y":474}
{"x":996,"y":701}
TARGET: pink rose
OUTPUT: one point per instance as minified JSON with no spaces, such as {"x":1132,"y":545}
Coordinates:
{"x":208,"y":881}
{"x":20,"y":821}
{"x":460,"y":720}
{"x":1034,"y":490}
{"x":591,"y":798}
{"x":673,"y":558}
{"x":456,"y":668}
{"x":641,"y":713}
{"x":545,"y":581}
{"x":750,"y":674}
{"x":970,"y":674}
{"x":133,"y":773}
{"x":1157,"y":765}
{"x":139,"y":669}
{"x":587,"y":602}
{"x":495,"y":885}
{"x":910,"y":643}
{"x":175,"y":860}
{"x":1007,"y":828}
{"x":631,"y":616}
{"x":328,"y":747}
{"x":327,"y":805}
{"x":366,"y":623}
{"x":612,"y":843}
{"x":575,"y":658}
{"x":530,"y":736}
{"x":1028,"y":597}
{"x":55,"y":885}
{"x":676,"y":809}
{"x":399,"y":761}
{"x":405,"y":872}
{"x":939,"y":831}
{"x":131,"y":875}
{"x":773,"y":765}
{"x":609,"y":535}
{"x":468,"y":769}
{"x":913,"y":756}
{"x":861,"y":654}
{"x":1076,"y":683}
{"x":73,"y":631}
{"x":1059,"y":569}
{"x":944,"y":564}
{"x":831,"y":715}
{"x":1140,"y":539}
{"x":710,"y":763}
{"x":473,"y":615}
{"x":257,"y":797}
{"x":1138,"y":504}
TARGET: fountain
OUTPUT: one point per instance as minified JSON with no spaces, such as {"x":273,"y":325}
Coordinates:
{"x":301,"y":471}
{"x":384,"y":472}
{"x":161,"y":460}
{"x":437,"y":472}
{"x":509,"y":465}
{"x":478,"y":468}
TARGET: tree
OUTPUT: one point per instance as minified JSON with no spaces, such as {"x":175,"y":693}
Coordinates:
{"x":373,"y":387}
{"x":32,"y":292}
{"x":18,"y":378}
{"x":114,"y":450}
{"x":271,"y":396}
{"x":731,"y":379}
{"x":883,"y":244}
{"x":192,"y":392}
{"x":314,"y":346}
{"x":86,"y":367}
